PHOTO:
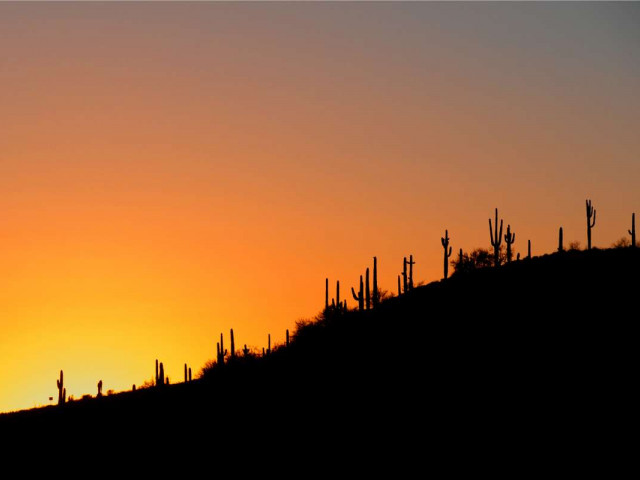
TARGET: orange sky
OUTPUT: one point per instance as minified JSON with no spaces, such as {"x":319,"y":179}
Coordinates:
{"x":169,"y":171}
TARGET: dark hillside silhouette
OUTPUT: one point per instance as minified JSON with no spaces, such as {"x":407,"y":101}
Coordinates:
{"x":502,"y":355}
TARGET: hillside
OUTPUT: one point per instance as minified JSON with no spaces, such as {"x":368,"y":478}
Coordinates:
{"x":537,"y":346}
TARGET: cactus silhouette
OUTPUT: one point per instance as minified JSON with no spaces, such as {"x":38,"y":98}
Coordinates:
{"x":186,"y":371}
{"x":245,"y":350}
{"x":632,"y":232}
{"x":220,"y":351}
{"x":560,"y":243}
{"x":160,"y":380}
{"x":496,"y":240}
{"x":233,"y":346}
{"x":268,"y":346}
{"x":62,"y":392}
{"x":360,"y":297}
{"x":445,"y":245}
{"x":591,"y":212}
{"x":375,"y":295}
{"x":367,"y":291}
{"x":509,"y":238}
{"x":287,"y":338}
{"x":99,"y":388}
{"x":529,"y":249}
{"x":407,"y":275}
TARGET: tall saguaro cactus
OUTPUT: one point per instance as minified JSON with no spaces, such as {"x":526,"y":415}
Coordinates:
{"x":509,"y":238}
{"x":160,"y":380}
{"x":220,"y":351}
{"x":233,"y":346}
{"x":496,"y":240}
{"x":445,"y":245}
{"x":632,"y":232}
{"x":62,"y":392}
{"x":591,"y":212}
{"x":375,"y":298}
{"x":529,"y":249}
{"x":560,"y":243}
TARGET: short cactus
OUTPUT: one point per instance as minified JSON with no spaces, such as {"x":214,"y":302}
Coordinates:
{"x":509,"y":238}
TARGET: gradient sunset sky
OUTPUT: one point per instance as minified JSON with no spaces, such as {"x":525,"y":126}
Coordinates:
{"x":172,"y":170}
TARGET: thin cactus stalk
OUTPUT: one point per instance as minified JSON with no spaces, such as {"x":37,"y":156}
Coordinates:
{"x":376,"y":293}
{"x":411,"y":264}
{"x":560,"y":242}
{"x":326,"y":294}
{"x":509,"y":238}
{"x":62,"y":392}
{"x":338,"y":293}
{"x":529,"y":249}
{"x":591,"y":212}
{"x":160,"y":380}
{"x":360,"y":297}
{"x":445,"y":244}
{"x":496,"y":240}
{"x":186,"y":373}
{"x":233,"y":346}
{"x":287,"y":338}
{"x":269,"y":345}
{"x":632,"y":232}
{"x":367,"y":292}
{"x":405,"y":279}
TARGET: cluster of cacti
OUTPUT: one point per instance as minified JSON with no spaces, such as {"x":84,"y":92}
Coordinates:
{"x":160,"y":378}
{"x":336,"y":305}
{"x":496,"y":240}
{"x":407,"y":275}
{"x":632,"y":232}
{"x":509,"y":238}
{"x":447,"y":253}
{"x":591,"y":212}
{"x":62,"y":392}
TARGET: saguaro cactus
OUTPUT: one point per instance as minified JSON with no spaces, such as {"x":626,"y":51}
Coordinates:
{"x":496,"y":240}
{"x":62,"y":392}
{"x":186,"y":373}
{"x":560,"y":243}
{"x":220,"y":351}
{"x":632,"y":232}
{"x":509,"y":238}
{"x":160,"y":380}
{"x":405,"y":279}
{"x":529,"y":249}
{"x":367,"y":291}
{"x":360,"y":297}
{"x":591,"y":212}
{"x":233,"y":346}
{"x":376,"y":293}
{"x":445,"y":244}
{"x":99,"y":388}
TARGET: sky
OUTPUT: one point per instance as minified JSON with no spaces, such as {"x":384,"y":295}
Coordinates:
{"x":169,"y":171}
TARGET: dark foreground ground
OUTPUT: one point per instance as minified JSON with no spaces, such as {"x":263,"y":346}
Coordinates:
{"x":534,"y":363}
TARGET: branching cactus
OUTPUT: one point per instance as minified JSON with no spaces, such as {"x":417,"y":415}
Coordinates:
{"x":62,"y":392}
{"x":496,"y":240}
{"x":220,"y":351}
{"x":360,"y":297}
{"x":509,"y":238}
{"x":447,"y":253}
{"x":632,"y":232}
{"x":591,"y":213}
